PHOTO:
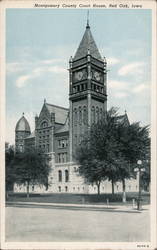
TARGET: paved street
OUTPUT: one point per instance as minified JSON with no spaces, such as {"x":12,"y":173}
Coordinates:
{"x":34,"y":223}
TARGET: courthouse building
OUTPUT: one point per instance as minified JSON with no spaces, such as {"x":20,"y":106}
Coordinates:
{"x":58,"y":130}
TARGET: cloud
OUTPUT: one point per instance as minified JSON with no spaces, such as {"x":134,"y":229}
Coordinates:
{"x":131,"y":69}
{"x":112,"y":60}
{"x":140,"y":88}
{"x":57,"y":69}
{"x":51,"y":61}
{"x":21,"y":81}
{"x":14,"y":67}
{"x":24,"y":79}
{"x":118,"y":84}
{"x":121,"y":95}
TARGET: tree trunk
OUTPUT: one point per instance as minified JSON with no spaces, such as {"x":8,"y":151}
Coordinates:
{"x":124,"y":193}
{"x":112,"y":181}
{"x":98,"y":186}
{"x":27,"y":189}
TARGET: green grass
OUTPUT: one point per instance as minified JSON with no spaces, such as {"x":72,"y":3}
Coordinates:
{"x":78,"y":198}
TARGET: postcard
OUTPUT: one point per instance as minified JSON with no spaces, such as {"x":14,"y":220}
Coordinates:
{"x":78,"y":124}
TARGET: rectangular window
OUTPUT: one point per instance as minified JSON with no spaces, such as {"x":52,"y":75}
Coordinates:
{"x":59,"y":158}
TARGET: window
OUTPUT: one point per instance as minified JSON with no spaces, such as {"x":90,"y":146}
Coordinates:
{"x":66,"y":175}
{"x":93,"y":114}
{"x":74,"y":90}
{"x":75,"y":140}
{"x":59,"y":188}
{"x":101,"y":113}
{"x":75,"y":117}
{"x":62,"y":143}
{"x":60,"y":176}
{"x":66,"y":189}
{"x":59,"y":158}
{"x":44,"y":124}
{"x":84,"y":115}
{"x":21,"y":148}
{"x":97,"y":114}
{"x":80,"y":116}
{"x":47,"y":148}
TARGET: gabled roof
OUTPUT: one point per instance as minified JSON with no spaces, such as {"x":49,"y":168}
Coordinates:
{"x":61,"y":113}
{"x":87,"y":43}
{"x":22,"y":125}
{"x":64,"y":128}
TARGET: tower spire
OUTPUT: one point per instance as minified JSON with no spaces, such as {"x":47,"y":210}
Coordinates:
{"x":88,"y":20}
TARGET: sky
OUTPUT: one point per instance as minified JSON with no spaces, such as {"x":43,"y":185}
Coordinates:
{"x":39,"y":43}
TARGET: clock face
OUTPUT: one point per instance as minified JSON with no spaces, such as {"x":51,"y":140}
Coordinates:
{"x":97,"y":76}
{"x":78,"y":75}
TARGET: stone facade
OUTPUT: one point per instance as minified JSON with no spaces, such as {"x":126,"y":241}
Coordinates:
{"x":58,"y":130}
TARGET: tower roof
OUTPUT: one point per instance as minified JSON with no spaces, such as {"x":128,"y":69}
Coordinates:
{"x":87,"y":43}
{"x":22,"y":125}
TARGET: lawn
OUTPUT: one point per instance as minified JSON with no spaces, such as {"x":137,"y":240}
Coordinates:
{"x":78,"y":198}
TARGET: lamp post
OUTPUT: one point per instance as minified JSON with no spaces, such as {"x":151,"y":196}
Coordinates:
{"x":139,"y":169}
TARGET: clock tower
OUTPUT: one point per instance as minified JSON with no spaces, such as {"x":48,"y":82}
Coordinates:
{"x":87,"y":89}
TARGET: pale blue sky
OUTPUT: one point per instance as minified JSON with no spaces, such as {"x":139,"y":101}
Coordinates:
{"x":40,"y":42}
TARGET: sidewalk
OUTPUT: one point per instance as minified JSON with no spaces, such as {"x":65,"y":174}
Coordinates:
{"x":124,"y":208}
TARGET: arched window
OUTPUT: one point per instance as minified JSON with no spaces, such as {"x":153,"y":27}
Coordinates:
{"x":75,"y":117}
{"x":60,"y":176}
{"x":80,"y":116}
{"x":75,"y":142}
{"x":93,"y":114}
{"x":85,"y":115}
{"x":101,"y":113}
{"x":44,"y":124}
{"x":97,"y":114}
{"x":66,"y":175}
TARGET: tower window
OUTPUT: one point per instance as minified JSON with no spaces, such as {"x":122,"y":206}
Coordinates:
{"x":93,"y":114}
{"x":84,"y":115}
{"x":75,"y":140}
{"x":101,"y":113}
{"x":80,"y":116}
{"x":75,"y":117}
{"x":97,"y":114}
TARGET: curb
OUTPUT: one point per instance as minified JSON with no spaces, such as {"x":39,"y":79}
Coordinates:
{"x":106,"y":207}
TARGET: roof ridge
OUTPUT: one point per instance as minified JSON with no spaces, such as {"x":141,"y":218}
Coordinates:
{"x":57,"y":106}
